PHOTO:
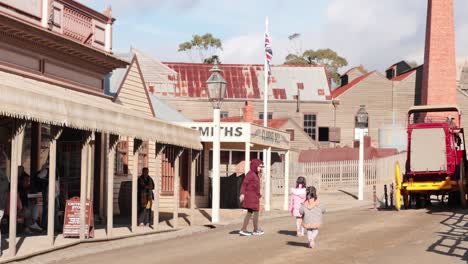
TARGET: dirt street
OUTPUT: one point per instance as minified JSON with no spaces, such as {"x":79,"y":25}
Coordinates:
{"x":352,"y":236}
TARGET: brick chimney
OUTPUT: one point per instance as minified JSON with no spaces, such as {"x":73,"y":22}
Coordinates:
{"x":439,"y":72}
{"x":248,"y":112}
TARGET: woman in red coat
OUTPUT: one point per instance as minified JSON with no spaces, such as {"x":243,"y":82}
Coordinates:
{"x":250,"y":197}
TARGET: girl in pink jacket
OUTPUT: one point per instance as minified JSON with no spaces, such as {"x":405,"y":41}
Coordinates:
{"x":296,"y":199}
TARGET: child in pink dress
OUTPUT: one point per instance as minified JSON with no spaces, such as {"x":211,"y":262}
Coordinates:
{"x":296,"y":199}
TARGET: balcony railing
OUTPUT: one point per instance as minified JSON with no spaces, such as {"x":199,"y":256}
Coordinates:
{"x":77,"y":26}
{"x":66,"y":17}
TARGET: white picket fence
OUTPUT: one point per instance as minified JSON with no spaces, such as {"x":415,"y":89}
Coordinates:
{"x":341,"y":174}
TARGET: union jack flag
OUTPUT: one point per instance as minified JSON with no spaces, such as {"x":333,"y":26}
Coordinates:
{"x":268,"y":52}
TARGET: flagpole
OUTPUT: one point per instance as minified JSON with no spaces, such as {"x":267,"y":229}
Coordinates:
{"x":265,"y":89}
{"x":266,"y":154}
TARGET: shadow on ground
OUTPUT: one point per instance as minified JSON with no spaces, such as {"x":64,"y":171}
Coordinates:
{"x":298,"y":244}
{"x":287,"y":233}
{"x":350,"y":194}
{"x":453,"y":241}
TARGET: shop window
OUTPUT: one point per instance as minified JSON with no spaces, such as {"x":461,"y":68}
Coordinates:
{"x":224,"y":114}
{"x":143,"y":157}
{"x":324,"y":133}
{"x":237,"y":157}
{"x":253,"y":155}
{"x":121,"y":158}
{"x":200,"y":173}
{"x":310,"y":125}
{"x":167,"y":171}
{"x":224,"y":158}
{"x":291,"y":134}
{"x":270,"y":115}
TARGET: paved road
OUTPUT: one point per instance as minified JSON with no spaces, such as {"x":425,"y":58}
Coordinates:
{"x":353,"y":236}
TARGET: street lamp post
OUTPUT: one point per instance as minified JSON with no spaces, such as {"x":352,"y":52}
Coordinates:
{"x":216,"y":86}
{"x":362,"y":124}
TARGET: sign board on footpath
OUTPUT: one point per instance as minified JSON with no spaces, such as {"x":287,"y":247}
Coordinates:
{"x":71,"y":225}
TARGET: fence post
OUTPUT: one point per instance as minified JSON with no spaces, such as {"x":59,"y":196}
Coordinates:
{"x":341,"y":173}
{"x":374,"y":193}
{"x":391,"y":194}
{"x":386,"y":196}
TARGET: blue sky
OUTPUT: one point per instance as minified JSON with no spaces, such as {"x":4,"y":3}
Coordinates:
{"x":369,"y":32}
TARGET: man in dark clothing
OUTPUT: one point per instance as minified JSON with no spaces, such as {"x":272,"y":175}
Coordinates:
{"x":30,"y":209}
{"x":4,"y":186}
{"x":145,"y":196}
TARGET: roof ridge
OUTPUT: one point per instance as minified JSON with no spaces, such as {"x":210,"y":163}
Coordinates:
{"x":151,"y":58}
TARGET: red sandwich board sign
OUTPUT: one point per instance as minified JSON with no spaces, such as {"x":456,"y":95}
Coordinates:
{"x":71,"y":225}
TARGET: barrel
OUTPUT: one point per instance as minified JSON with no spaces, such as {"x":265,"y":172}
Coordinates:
{"x":125,"y":198}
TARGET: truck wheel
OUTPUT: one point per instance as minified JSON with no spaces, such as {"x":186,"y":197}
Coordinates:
{"x":406,"y":200}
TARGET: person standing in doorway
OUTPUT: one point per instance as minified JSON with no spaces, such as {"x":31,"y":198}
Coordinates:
{"x":42,"y":185}
{"x":146,"y":197}
{"x":4,"y":186}
{"x":30,"y":209}
{"x":250,"y":197}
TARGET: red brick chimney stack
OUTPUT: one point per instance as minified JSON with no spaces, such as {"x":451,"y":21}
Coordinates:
{"x":248,"y":112}
{"x":439,"y":73}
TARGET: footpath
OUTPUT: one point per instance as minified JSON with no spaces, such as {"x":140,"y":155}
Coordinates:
{"x":332,"y":200}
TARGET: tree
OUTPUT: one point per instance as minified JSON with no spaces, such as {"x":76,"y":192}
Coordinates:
{"x":327,"y":57}
{"x":212,"y":60}
{"x":206,"y":46}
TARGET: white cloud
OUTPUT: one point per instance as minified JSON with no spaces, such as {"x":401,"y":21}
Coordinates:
{"x":373,"y":33}
{"x":142,"y":5}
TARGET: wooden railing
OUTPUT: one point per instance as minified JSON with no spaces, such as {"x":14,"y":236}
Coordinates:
{"x":341,"y":174}
{"x":77,"y":26}
{"x":69,"y":18}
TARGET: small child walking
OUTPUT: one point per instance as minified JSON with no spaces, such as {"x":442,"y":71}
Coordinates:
{"x":311,"y":212}
{"x":297,"y":198}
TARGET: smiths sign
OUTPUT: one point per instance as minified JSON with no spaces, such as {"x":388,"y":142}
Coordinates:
{"x":229,"y":132}
{"x":243,"y":132}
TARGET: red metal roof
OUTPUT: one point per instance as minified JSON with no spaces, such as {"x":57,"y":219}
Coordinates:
{"x":245,"y":81}
{"x":343,"y":154}
{"x":272,"y":123}
{"x":279,"y":93}
{"x":404,"y":75}
{"x":241,"y":79}
{"x":340,"y":90}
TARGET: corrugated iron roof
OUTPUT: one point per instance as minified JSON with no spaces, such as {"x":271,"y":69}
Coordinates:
{"x":155,"y":73}
{"x":403,"y":76}
{"x":165,"y":112}
{"x":243,"y":80}
{"x":246,"y":81}
{"x":272,"y":123}
{"x":114,"y":79}
{"x":340,"y":90}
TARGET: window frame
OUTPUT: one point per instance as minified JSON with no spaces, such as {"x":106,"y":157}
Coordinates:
{"x":121,"y":153}
{"x":269,"y":117}
{"x":291,"y":135}
{"x":327,"y":136}
{"x":224,"y":114}
{"x":312,"y":127}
